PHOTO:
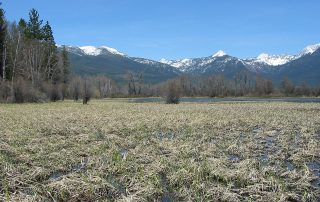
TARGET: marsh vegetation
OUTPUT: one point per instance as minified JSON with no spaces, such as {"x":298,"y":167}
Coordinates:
{"x":115,"y":150}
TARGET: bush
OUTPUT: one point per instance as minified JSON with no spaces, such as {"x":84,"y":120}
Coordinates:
{"x":5,"y":91}
{"x":55,"y":93}
{"x":24,"y":92}
{"x":172,"y":94}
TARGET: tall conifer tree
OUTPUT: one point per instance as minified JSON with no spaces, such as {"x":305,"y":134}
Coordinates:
{"x":33,"y":30}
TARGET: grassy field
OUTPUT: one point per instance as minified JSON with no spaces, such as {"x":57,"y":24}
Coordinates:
{"x":118,"y":151}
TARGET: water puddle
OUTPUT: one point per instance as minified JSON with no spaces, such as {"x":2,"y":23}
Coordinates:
{"x":257,"y":130}
{"x":214,"y":100}
{"x":124,"y":154}
{"x":166,"y":135}
{"x":269,"y":141}
{"x":58,"y":175}
{"x":314,"y":167}
{"x":316,"y":183}
{"x":117,"y":185}
{"x":167,"y":196}
{"x":234,"y":158}
{"x":81,"y":166}
{"x":289,"y":165}
{"x":263,"y":159}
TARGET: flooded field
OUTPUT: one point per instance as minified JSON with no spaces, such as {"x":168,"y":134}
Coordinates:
{"x":210,"y":100}
{"x":119,"y":151}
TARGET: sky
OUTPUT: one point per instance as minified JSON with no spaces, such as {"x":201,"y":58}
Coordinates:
{"x":176,"y":29}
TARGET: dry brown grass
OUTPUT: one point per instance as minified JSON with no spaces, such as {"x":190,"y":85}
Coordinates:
{"x":113,"y":150}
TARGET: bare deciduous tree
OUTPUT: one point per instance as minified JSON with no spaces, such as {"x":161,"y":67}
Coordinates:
{"x":172,"y":94}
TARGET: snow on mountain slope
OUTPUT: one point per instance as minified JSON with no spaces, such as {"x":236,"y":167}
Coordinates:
{"x":187,"y":65}
{"x":177,"y":63}
{"x":145,"y":61}
{"x":91,"y":50}
{"x":112,"y":50}
{"x":310,"y":49}
{"x":264,"y":62}
{"x":219,"y":61}
{"x":274,"y":60}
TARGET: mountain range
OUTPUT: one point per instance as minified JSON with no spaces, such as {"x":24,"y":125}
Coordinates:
{"x":302,"y":67}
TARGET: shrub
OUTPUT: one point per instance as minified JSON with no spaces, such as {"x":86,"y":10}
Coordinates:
{"x":172,"y":94}
{"x":55,"y":93}
{"x":5,"y":91}
{"x":24,"y":92}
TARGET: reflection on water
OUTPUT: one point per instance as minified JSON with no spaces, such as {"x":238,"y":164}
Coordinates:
{"x":211,"y":100}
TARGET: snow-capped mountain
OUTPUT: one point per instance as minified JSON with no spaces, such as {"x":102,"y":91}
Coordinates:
{"x":263,"y":63}
{"x":189,"y":65}
{"x":113,"y":63}
{"x":93,"y":51}
{"x":109,"y":61}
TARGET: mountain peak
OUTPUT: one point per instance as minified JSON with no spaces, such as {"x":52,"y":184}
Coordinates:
{"x":220,"y":53}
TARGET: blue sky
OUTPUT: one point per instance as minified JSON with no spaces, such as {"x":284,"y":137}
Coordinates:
{"x":176,"y":29}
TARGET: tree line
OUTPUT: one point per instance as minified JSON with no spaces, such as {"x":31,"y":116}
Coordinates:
{"x":242,"y":84}
{"x":31,"y":67}
{"x":34,"y":69}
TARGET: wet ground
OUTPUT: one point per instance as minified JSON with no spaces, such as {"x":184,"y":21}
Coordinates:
{"x":212,"y":100}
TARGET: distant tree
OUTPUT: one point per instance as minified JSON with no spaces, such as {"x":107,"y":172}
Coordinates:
{"x":287,"y":86}
{"x":172,"y":94}
{"x":22,"y":25}
{"x":263,"y":86}
{"x":75,"y":88}
{"x":33,"y":29}
{"x":131,"y":83}
{"x":47,"y":34}
{"x":65,"y":65}
{"x":242,"y":83}
{"x":185,"y":85}
{"x":87,"y":91}
{"x":269,"y":87}
{"x":53,"y":72}
{"x":105,"y":86}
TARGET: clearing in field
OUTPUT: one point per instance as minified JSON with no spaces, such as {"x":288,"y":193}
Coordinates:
{"x":114,"y":150}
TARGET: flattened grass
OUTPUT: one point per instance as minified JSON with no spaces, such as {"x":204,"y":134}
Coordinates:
{"x":113,"y":150}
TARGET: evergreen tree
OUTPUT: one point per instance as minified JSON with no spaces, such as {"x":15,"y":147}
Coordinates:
{"x":2,"y":40}
{"x":47,"y":34}
{"x":22,"y":25}
{"x":51,"y":53}
{"x":33,"y":30}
